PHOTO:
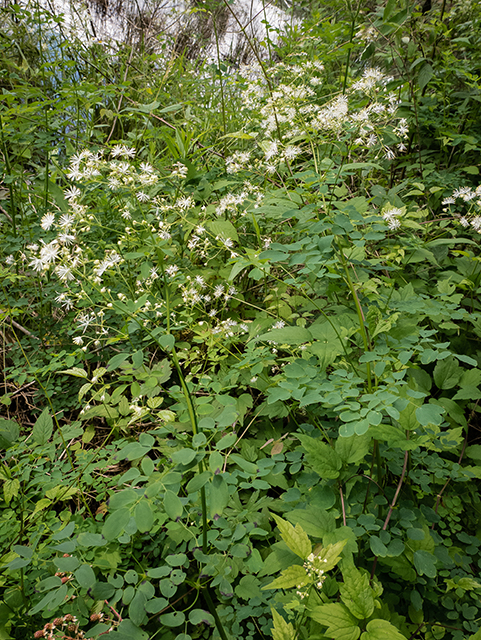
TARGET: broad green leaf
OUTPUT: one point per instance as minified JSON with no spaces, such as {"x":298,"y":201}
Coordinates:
{"x":173,"y":505}
{"x":315,"y":522}
{"x":144,"y":518}
{"x":249,"y":587}
{"x":9,"y":432}
{"x":166,"y":341}
{"x":388,"y":9}
{"x":330,"y":555}
{"x":156,"y":605}
{"x":223,"y":229}
{"x":42,"y":504}
{"x":226,"y":441}
{"x":352,"y":450}
{"x":172,"y":619}
{"x":356,"y":593}
{"x":43,"y":427}
{"x":295,"y":537}
{"x":183,"y":456}
{"x":116,"y":523}
{"x":200,"y":616}
{"x":425,"y":563}
{"x":426,"y":72}
{"x":117,"y":360}
{"x":378,"y":547}
{"x":393,"y":436}
{"x":287,"y":335}
{"x":123,"y":499}
{"x":11,"y":488}
{"x":381,"y":630}
{"x":51,"y":600}
{"x":321,"y":457}
{"x":137,"y":612}
{"x":76,"y":371}
{"x":282,"y":630}
{"x":70,"y":563}
{"x":293,"y":576}
{"x":447,"y":373}
{"x":85,"y":576}
{"x":430,"y":414}
{"x":218,"y":493}
{"x":340,"y":623}
{"x":199,"y":480}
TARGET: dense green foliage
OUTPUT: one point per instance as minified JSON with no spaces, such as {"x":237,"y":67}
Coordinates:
{"x":240,"y":326}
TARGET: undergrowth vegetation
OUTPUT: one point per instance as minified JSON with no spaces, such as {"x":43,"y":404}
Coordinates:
{"x":240,"y":328}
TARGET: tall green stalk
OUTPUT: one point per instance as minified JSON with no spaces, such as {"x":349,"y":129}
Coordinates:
{"x":360,"y":314}
{"x":13,"y":208}
{"x":195,"y":431}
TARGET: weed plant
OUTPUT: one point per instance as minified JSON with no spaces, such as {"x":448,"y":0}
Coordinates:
{"x":240,"y":328}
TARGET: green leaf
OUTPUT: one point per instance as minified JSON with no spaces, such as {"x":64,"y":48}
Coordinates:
{"x":226,"y":441}
{"x":166,"y":341}
{"x":321,"y":457}
{"x":315,"y":522}
{"x":430,"y":414}
{"x":156,"y":605}
{"x":330,"y":555}
{"x":426,"y":72}
{"x":68,"y":564}
{"x":117,"y":360}
{"x":198,"y":481}
{"x":295,"y":537}
{"x":282,"y":630}
{"x":218,"y":493}
{"x":144,"y":518}
{"x":85,"y":576}
{"x":172,"y":619}
{"x":356,"y":593}
{"x":447,"y":373}
{"x":340,"y":623}
{"x":352,"y":450}
{"x":116,"y":523}
{"x":425,"y":563}
{"x":388,"y":9}
{"x":199,"y":616}
{"x":137,"y":611}
{"x":287,"y":335}
{"x":9,"y":432}
{"x":173,"y":505}
{"x":11,"y":487}
{"x":378,"y":547}
{"x":381,"y":630}
{"x":224,"y":229}
{"x":123,"y":499}
{"x":183,"y":456}
{"x":293,"y":576}
{"x":76,"y":371}
{"x":43,"y":427}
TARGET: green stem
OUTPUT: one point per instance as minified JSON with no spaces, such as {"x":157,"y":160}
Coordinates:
{"x":10,"y":185}
{"x":222,"y":99}
{"x":360,"y":315}
{"x":213,"y":611}
{"x":351,"y":37}
{"x":188,"y":399}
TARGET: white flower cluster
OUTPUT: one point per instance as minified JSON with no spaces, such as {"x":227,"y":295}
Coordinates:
{"x":391,"y":216}
{"x":315,"y":572}
{"x":473,"y":196}
{"x":238,"y":161}
{"x":291,"y":111}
